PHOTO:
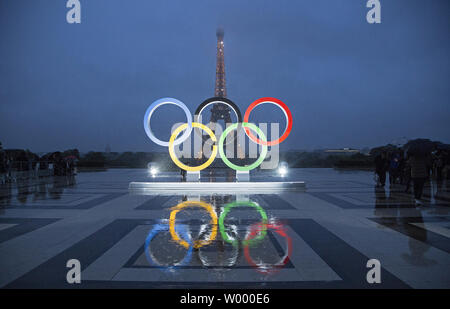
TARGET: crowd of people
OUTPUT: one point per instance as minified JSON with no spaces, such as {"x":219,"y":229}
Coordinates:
{"x":20,"y":162}
{"x":414,"y":168}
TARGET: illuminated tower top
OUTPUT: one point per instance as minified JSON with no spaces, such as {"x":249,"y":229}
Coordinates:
{"x":220,"y":87}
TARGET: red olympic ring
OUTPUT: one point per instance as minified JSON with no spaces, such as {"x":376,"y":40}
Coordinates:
{"x":265,"y":268}
{"x":286,"y":111}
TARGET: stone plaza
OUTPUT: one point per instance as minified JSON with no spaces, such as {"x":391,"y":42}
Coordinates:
{"x":334,"y":226}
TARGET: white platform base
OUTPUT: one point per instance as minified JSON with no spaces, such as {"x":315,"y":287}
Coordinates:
{"x":215,"y":187}
{"x":242,"y":176}
{"x":193,"y":176}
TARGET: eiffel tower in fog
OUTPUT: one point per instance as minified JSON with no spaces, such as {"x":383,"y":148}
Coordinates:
{"x":222,"y":111}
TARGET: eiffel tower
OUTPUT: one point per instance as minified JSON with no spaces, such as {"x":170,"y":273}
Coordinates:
{"x":222,"y":111}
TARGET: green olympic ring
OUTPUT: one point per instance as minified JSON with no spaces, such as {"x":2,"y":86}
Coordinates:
{"x":225,"y":212}
{"x":262,"y":155}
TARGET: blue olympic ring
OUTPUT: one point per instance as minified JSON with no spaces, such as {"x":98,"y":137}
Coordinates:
{"x":181,"y":229}
{"x":153,"y":107}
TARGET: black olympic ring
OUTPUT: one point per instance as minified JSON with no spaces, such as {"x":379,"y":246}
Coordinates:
{"x":218,"y":100}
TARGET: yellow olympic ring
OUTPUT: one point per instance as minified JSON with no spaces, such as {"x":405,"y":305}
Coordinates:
{"x":172,"y":150}
{"x":200,"y":242}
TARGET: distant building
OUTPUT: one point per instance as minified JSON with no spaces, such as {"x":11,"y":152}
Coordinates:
{"x":107,"y":149}
{"x":342,"y":151}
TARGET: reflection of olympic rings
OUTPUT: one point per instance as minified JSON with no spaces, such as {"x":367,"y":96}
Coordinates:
{"x":262,"y":267}
{"x":200,"y":242}
{"x":161,"y":227}
{"x":173,"y":156}
{"x":287,"y":114}
{"x":224,"y":214}
{"x":255,"y":164}
{"x":223,"y":259}
{"x":153,"y":107}
{"x":217,"y":100}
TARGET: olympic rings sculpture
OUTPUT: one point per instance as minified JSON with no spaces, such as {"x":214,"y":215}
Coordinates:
{"x":173,"y":156}
{"x":151,"y":109}
{"x":217,"y":100}
{"x":190,"y":125}
{"x":181,"y":235}
{"x":287,"y":114}
{"x":255,"y":164}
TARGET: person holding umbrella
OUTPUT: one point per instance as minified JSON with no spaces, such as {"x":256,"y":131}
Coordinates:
{"x":381,"y":164}
{"x":419,"y":174}
{"x":419,"y":151}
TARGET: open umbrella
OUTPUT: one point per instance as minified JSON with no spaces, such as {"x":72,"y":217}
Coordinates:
{"x":74,"y":158}
{"x":442,"y":146}
{"x":420,"y":146}
{"x":71,"y":152}
{"x":387,"y":148}
{"x":32,"y":156}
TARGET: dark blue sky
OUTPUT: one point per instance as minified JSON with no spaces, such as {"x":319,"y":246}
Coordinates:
{"x":348,"y":83}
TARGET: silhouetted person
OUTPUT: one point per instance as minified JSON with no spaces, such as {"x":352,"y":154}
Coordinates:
{"x":381,"y":167}
{"x":407,"y":175}
{"x":3,"y":169}
{"x":394,"y":165}
{"x":419,"y":174}
{"x":5,"y":195}
{"x":401,"y":169}
{"x":439,"y":166}
{"x":183,"y":175}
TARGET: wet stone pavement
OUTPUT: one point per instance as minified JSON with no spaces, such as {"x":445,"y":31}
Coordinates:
{"x":321,"y":237}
